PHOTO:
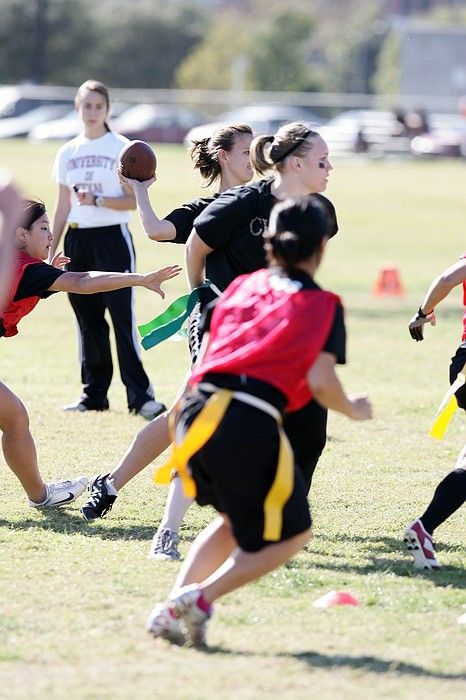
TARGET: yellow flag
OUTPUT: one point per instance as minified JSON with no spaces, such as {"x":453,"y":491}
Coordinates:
{"x":446,"y":410}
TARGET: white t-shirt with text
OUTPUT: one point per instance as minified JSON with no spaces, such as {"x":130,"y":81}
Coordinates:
{"x":92,"y":164}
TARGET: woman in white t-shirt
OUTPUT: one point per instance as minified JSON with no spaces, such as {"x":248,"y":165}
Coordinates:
{"x":96,"y":210}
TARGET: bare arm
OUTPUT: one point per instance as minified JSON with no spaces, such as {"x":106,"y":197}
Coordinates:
{"x":91,"y":282}
{"x":442,"y":285}
{"x":439,"y":288}
{"x":155,"y":228}
{"x":60,"y":216}
{"x":328,"y":391}
{"x":11,"y":211}
{"x":196,"y":252}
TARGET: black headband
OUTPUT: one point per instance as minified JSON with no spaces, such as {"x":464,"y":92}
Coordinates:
{"x":293,"y":147}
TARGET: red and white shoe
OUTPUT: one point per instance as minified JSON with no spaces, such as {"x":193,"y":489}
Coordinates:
{"x":185,"y":606}
{"x":421,"y":546}
{"x":164,"y":623}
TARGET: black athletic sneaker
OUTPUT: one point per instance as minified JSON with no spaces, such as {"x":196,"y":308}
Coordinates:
{"x":100,"y":501}
{"x":80,"y":406}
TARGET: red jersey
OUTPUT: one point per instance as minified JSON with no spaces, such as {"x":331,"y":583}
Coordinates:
{"x":15,"y":310}
{"x":269,"y":328}
{"x":463,"y":337}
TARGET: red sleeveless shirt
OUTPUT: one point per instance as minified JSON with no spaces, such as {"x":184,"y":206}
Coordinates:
{"x":15,"y":310}
{"x":269,"y":328}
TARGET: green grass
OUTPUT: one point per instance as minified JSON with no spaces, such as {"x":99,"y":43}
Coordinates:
{"x":74,"y":597}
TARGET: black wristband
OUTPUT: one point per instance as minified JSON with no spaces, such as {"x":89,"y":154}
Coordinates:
{"x":421,"y":314}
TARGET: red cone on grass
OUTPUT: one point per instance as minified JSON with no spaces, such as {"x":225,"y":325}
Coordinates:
{"x":335,"y":598}
{"x":388,"y":283}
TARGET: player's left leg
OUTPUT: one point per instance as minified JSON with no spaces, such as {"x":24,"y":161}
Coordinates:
{"x":193,"y":603}
{"x":18,"y":444}
{"x":20,"y":454}
{"x":449,"y":495}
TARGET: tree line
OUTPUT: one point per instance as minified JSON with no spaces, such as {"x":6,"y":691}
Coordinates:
{"x":296,"y":45}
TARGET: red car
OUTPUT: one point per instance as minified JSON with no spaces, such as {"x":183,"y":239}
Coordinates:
{"x":158,"y":123}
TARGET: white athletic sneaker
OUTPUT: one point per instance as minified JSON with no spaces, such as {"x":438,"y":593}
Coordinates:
{"x":151,"y":409}
{"x":163,"y":623}
{"x":185,"y":606}
{"x":421,"y":546}
{"x":61,"y":493}
{"x":164,"y":545}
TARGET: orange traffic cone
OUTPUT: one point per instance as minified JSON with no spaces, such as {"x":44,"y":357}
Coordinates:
{"x":388,"y":283}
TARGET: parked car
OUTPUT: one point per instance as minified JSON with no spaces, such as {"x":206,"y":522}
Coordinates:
{"x":158,"y":123}
{"x":20,"y":126}
{"x":15,"y":103}
{"x":263,"y":119}
{"x":68,"y":126}
{"x":346,"y":131}
{"x":380,"y":131}
{"x":446,"y":138}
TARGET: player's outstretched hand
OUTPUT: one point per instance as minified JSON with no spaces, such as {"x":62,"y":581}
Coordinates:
{"x":153,"y":280}
{"x":417,"y":323}
{"x":361,"y":407}
{"x":130,"y":185}
{"x":59,"y":260}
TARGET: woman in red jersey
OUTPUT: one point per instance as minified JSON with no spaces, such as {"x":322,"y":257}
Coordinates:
{"x":32,"y":280}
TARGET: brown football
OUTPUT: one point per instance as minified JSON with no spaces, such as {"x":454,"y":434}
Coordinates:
{"x":137,"y":161}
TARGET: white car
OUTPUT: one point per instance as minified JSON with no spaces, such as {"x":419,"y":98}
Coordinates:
{"x":263,"y":119}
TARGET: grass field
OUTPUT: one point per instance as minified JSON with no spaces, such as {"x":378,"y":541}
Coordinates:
{"x":74,"y":596}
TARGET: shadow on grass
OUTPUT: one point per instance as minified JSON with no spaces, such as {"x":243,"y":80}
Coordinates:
{"x":374,"y":549}
{"x":64,"y":522}
{"x":370,"y":664}
{"x":68,"y":523}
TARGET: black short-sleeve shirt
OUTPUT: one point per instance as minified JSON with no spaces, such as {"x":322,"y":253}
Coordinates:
{"x":233,"y":225}
{"x":36,"y":280}
{"x":183,"y":218}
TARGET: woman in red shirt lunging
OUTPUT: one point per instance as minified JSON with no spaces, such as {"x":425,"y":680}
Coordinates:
{"x":33,"y":280}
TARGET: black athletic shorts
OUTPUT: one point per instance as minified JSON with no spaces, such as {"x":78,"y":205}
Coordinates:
{"x":456,"y":366}
{"x":235,"y":469}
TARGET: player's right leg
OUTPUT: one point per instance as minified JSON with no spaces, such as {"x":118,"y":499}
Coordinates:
{"x":148,"y":444}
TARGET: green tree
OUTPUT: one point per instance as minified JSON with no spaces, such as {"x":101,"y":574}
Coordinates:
{"x":386,"y":80}
{"x":350,"y":45}
{"x":143,"y":48}
{"x":211,"y":64}
{"x":273,"y":58}
{"x":66,"y":43}
{"x":278,"y":54}
{"x":121,"y":42}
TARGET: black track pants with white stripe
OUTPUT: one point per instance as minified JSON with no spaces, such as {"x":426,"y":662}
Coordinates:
{"x":109,"y":249}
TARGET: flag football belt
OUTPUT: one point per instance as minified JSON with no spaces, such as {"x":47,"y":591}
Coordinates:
{"x":446,"y":410}
{"x":201,"y":430}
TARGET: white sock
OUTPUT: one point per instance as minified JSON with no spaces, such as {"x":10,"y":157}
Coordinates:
{"x":176,"y":506}
{"x":110,"y":487}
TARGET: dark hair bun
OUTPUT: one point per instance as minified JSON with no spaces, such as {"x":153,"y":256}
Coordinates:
{"x":296,"y":230}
